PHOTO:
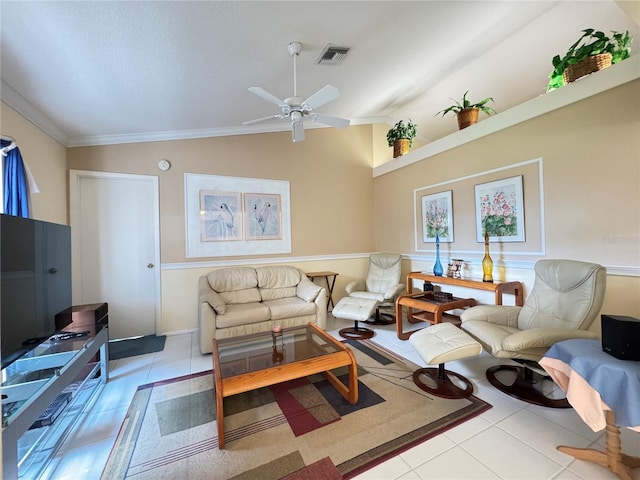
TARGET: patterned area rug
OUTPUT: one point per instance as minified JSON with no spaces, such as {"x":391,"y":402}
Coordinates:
{"x":300,"y":429}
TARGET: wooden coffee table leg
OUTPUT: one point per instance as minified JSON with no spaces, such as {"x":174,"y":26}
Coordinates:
{"x":353,"y":382}
{"x":349,"y":393}
{"x":219,"y":395}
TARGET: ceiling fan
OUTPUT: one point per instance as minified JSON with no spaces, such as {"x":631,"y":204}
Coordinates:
{"x":295,"y":108}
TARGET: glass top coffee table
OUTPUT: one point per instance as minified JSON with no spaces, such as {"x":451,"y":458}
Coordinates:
{"x":249,"y":362}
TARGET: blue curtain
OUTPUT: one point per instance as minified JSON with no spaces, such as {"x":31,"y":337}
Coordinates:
{"x":16,"y":192}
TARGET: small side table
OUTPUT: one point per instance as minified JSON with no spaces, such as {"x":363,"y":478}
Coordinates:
{"x":431,"y":310}
{"x":604,"y":391}
{"x":330,"y":285}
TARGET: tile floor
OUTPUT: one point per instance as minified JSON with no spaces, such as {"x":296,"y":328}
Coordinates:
{"x":512,"y":440}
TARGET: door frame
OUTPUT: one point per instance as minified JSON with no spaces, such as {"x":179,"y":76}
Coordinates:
{"x":75,"y":177}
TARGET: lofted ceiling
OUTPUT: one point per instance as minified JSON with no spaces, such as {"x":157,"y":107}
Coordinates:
{"x":93,"y":73}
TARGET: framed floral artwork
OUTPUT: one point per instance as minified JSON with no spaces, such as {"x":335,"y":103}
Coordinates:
{"x":437,"y":217}
{"x":500,"y":210}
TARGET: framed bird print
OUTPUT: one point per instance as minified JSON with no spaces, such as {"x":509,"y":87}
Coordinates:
{"x":262,"y":216}
{"x":220,"y":216}
{"x":236,"y":216}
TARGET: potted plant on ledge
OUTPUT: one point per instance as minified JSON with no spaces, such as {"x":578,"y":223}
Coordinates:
{"x":593,"y":51}
{"x":467,"y":112}
{"x":401,"y":136}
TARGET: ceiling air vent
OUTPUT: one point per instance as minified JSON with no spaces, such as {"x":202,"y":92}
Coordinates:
{"x":332,"y":55}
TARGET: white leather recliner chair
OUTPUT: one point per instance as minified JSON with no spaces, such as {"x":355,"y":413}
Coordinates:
{"x":566,"y":298}
{"x":382,"y":284}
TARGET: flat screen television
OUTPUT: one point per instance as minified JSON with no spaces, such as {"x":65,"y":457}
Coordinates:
{"x":35,"y":271}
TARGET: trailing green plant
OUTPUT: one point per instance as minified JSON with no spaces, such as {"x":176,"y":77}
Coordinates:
{"x":466,"y":104}
{"x":590,"y":43}
{"x":402,"y":130}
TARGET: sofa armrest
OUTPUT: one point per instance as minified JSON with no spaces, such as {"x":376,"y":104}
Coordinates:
{"x":206,"y":327}
{"x":206,"y":317}
{"x":505,"y":315}
{"x":355,"y":286}
{"x":393,"y":291}
{"x":321,"y":308}
{"x":544,"y":337}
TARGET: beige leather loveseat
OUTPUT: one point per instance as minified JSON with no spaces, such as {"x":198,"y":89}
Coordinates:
{"x":241,"y":300}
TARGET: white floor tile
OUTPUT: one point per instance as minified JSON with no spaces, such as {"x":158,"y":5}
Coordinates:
{"x":467,"y":429}
{"x":95,"y":427}
{"x":543,"y":435}
{"x":510,"y":457}
{"x":389,"y":470}
{"x":455,"y":464}
{"x":426,"y":451}
{"x":201,"y":363}
{"x":85,"y":462}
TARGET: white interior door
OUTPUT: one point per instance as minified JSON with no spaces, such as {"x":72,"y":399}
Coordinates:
{"x":115,"y":245}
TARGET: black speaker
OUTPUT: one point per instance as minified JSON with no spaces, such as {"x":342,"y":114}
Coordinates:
{"x":621,"y":336}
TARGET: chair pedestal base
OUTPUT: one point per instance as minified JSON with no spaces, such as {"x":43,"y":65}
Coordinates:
{"x":381,"y":319}
{"x":524,"y":387}
{"x":356,"y":332}
{"x":444,"y":388}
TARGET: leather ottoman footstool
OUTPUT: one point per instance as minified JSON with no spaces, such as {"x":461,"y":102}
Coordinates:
{"x":437,"y":344}
{"x":356,"y":309}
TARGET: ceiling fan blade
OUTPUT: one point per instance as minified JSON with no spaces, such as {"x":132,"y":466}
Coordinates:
{"x":297,"y":131}
{"x":322,"y":96}
{"x":263,"y":119}
{"x":262,"y":93}
{"x":328,"y":120}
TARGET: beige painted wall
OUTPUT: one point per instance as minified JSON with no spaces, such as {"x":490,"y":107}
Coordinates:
{"x":46,"y":159}
{"x":331,"y":189}
{"x":331,"y":185}
{"x":591,"y":179}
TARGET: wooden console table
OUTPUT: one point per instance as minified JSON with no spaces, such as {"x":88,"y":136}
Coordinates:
{"x":435,"y":311}
{"x":499,"y":288}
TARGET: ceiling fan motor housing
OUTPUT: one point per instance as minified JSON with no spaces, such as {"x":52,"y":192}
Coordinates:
{"x":294,"y":48}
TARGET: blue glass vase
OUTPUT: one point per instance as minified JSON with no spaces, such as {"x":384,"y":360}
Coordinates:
{"x":437,"y":268}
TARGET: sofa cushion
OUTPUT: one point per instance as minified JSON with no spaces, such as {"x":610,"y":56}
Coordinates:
{"x":243,"y":314}
{"x":307,"y":290}
{"x":230,"y":279}
{"x":278,"y":281}
{"x":249,"y":295}
{"x":235,"y":285}
{"x":289,"y":307}
{"x":215,"y":300}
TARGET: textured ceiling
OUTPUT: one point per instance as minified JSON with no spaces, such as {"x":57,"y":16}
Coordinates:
{"x":108,"y":72}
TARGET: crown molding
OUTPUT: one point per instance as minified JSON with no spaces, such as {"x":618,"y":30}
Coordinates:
{"x":31,"y":113}
{"x":88,"y":141}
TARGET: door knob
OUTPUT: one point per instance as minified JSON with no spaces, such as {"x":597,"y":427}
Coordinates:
{"x":150,"y":265}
